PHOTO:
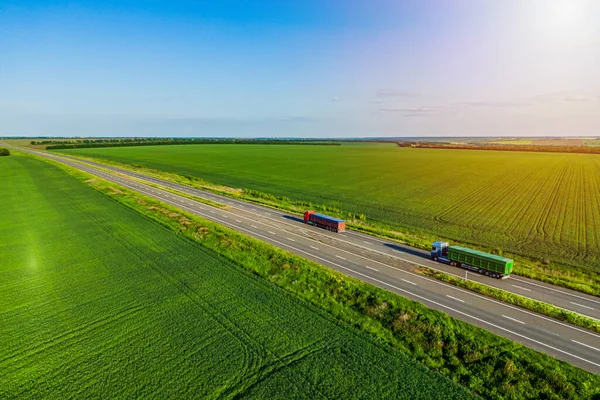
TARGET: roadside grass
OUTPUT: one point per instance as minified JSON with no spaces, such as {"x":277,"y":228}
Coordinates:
{"x":174,"y":191}
{"x":486,"y":364}
{"x":556,"y":273}
{"x":99,"y":301}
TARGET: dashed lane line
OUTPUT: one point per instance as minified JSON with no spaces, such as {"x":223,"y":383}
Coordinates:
{"x":586,"y":345}
{"x":454,"y":298}
{"x":512,"y":319}
{"x":581,"y":305}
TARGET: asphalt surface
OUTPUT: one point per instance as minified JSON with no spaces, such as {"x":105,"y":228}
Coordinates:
{"x":388,"y":265}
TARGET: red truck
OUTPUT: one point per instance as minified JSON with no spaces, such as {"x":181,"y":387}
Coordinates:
{"x":324,"y":221}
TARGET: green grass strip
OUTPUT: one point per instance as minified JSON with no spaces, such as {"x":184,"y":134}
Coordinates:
{"x":168,"y":189}
{"x":487,"y":364}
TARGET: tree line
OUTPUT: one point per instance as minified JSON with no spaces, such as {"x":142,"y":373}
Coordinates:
{"x":503,"y":147}
{"x":90,"y":141}
{"x":159,"y":142}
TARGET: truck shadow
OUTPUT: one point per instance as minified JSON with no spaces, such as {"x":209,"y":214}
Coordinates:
{"x":408,"y":250}
{"x":292,"y":218}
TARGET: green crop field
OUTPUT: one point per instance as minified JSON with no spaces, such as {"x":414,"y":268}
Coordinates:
{"x":544,"y":205}
{"x":98,"y":301}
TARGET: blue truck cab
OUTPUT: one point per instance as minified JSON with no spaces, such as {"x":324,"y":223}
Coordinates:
{"x":439,"y":250}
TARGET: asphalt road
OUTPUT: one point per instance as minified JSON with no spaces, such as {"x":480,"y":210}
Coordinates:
{"x":387,"y":265}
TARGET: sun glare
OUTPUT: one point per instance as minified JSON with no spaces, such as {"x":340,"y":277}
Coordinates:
{"x":566,"y":13}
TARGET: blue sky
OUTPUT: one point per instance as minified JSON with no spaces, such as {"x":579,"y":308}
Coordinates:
{"x":300,"y":68}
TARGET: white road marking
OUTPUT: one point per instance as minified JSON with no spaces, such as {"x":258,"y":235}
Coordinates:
{"x":371,"y":268}
{"x":512,"y":319}
{"x":412,"y":283}
{"x":340,"y":257}
{"x":581,"y":305}
{"x":225,"y":216}
{"x":454,"y":298}
{"x":313,"y":247}
{"x":290,"y":239}
{"x":237,"y":220}
{"x":586,"y":345}
{"x":254,"y":226}
{"x":272,"y":233}
{"x":212,"y":212}
{"x":551,"y":333}
{"x":522,"y":288}
{"x":364,"y":241}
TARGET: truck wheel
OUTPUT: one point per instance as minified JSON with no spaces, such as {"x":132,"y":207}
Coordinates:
{"x":453,"y":263}
{"x":487,"y":273}
{"x":435,"y":258}
{"x":480,"y":271}
{"x":495,"y":275}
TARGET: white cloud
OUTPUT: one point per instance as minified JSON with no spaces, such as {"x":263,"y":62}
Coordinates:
{"x":397,"y":93}
{"x":495,"y":104}
{"x":411,"y":109}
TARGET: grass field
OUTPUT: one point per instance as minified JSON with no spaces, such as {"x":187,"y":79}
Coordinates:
{"x":542,"y":205}
{"x":98,"y":301}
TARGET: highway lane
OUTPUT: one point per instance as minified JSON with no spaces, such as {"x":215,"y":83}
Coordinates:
{"x":395,"y":252}
{"x":566,"y":342}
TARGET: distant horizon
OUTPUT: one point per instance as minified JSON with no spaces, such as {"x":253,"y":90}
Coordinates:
{"x":370,"y":138}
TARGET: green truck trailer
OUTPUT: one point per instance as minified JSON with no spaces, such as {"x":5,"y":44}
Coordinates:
{"x":484,"y":263}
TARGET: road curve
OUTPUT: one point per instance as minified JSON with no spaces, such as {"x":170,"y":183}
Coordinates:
{"x":373,"y":260}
